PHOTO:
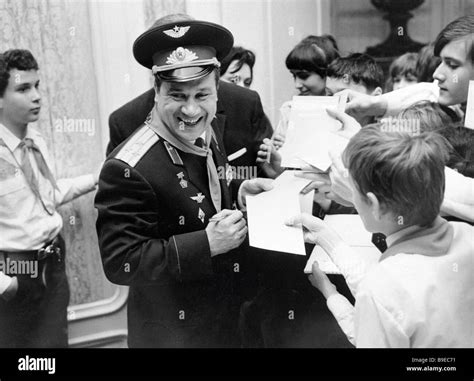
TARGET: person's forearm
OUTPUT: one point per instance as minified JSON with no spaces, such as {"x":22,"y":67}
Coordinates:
{"x":458,"y":195}
{"x":379,"y":105}
{"x":352,"y":264}
{"x":398,"y":100}
{"x":343,"y":312}
{"x":69,"y":189}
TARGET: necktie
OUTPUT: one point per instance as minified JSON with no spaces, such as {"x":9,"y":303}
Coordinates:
{"x":199,"y":142}
{"x":27,"y":146}
{"x":378,"y":239}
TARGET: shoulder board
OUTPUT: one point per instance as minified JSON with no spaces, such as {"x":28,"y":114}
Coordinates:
{"x":137,"y":146}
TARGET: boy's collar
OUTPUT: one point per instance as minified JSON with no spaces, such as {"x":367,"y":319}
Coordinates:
{"x":11,"y":141}
{"x":392,"y":238}
{"x":430,"y":241}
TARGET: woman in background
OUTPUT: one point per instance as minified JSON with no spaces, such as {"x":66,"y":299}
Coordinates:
{"x":237,"y":67}
{"x":308,"y":62}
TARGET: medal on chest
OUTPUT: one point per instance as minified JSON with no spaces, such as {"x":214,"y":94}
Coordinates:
{"x":182,"y":182}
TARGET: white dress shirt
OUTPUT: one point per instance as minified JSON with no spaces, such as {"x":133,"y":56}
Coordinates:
{"x":413,"y":300}
{"x":24,"y":223}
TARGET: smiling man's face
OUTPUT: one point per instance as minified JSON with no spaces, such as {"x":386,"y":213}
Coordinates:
{"x":455,"y":71}
{"x":188,"y":108}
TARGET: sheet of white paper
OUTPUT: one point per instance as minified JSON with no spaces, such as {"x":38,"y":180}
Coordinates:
{"x":268,"y":211}
{"x":352,"y":231}
{"x":312,"y":132}
{"x":469,"y":120}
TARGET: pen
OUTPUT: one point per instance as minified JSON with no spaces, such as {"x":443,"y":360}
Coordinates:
{"x":217,"y":219}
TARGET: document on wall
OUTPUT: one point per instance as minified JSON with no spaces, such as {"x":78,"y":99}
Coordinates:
{"x":351,"y":229}
{"x":312,"y":133}
{"x":268,"y":211}
{"x":469,"y":120}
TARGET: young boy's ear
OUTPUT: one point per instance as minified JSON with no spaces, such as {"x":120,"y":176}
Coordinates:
{"x":377,"y":91}
{"x":374,"y":206}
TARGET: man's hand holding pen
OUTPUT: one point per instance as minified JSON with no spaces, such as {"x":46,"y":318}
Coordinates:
{"x":226,"y":230}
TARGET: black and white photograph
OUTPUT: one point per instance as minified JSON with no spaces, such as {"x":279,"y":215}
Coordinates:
{"x":237,"y":182}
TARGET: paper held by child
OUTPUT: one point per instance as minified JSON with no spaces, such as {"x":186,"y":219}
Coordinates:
{"x":351,"y":229}
{"x":312,"y":133}
{"x":469,"y":120}
{"x":267,"y":213}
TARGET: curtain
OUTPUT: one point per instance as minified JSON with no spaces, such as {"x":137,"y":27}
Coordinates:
{"x":58,"y":35}
{"x":154,"y":9}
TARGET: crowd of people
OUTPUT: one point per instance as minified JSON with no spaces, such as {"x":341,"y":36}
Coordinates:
{"x":171,"y":199}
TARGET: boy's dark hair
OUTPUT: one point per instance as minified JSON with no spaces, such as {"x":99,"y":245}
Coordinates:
{"x":313,"y":54}
{"x":459,"y":28}
{"x":404,"y":66}
{"x":427,"y":63}
{"x":461,"y":148}
{"x":404,"y":171}
{"x":242,"y":56}
{"x":19,"y":59}
{"x":360,"y":68}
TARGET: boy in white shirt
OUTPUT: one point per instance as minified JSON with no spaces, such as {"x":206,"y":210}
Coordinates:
{"x":421,"y":293}
{"x":34,"y":291}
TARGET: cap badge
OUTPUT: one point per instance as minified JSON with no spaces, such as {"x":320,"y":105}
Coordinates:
{"x":177,"y":31}
{"x":181,"y":55}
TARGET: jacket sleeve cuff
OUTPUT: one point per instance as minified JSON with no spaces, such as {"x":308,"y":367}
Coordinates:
{"x":191,"y":255}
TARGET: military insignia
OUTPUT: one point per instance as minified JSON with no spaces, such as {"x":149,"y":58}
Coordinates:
{"x":182,"y":182}
{"x":198,"y":198}
{"x":229,"y":174}
{"x":181,"y":55}
{"x":177,"y":31}
{"x":137,"y":146}
{"x":201,"y":215}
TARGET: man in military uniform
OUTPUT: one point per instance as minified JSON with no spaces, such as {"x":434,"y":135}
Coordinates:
{"x":158,"y":191}
{"x":241,"y":120}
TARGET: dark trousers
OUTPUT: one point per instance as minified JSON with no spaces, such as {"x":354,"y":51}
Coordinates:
{"x":286,"y":310}
{"x":37,"y":316}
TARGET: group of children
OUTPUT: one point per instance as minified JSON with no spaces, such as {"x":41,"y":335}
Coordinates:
{"x":421,"y":292}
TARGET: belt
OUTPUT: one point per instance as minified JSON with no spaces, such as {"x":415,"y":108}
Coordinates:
{"x":49,"y":249}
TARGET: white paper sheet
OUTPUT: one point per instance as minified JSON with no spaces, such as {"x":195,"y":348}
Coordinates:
{"x":352,"y":231}
{"x":268,"y":211}
{"x":312,"y":132}
{"x":469,"y":120}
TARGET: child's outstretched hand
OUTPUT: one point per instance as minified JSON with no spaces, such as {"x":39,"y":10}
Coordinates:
{"x":269,"y":158}
{"x":313,"y":226}
{"x":278,"y":141}
{"x":321,"y":281}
